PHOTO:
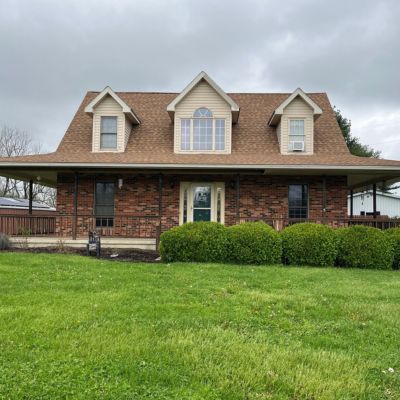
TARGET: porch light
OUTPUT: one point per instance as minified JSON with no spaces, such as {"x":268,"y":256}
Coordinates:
{"x":120,"y":183}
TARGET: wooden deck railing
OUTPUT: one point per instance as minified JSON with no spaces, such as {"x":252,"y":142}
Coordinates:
{"x":23,"y":225}
{"x":142,"y":226}
{"x":80,"y":225}
{"x":379,"y":222}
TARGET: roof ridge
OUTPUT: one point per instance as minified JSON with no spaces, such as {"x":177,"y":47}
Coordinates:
{"x":229,"y":93}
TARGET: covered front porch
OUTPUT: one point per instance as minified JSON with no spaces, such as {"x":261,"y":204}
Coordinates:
{"x":133,"y":206}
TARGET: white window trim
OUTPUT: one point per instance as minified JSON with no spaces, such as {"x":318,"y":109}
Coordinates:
{"x":193,"y":151}
{"x":120,"y":135}
{"x":215,"y":187}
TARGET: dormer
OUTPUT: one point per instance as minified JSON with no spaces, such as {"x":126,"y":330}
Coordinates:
{"x":294,"y":122}
{"x":203,"y":115}
{"x":112,"y":122}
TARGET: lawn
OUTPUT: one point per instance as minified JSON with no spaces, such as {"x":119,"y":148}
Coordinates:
{"x":79,"y":328}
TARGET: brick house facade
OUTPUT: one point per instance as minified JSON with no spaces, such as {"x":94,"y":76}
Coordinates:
{"x":155,"y":198}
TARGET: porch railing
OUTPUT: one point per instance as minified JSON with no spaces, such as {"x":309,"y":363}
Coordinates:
{"x":21,"y":225}
{"x":79,"y":225}
{"x":281,"y":223}
{"x":143,"y":226}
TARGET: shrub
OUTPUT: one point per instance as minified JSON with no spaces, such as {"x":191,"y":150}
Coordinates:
{"x":195,"y":241}
{"x":4,"y":242}
{"x":394,"y":235}
{"x":364,"y":247}
{"x":309,"y":244}
{"x":254,"y":243}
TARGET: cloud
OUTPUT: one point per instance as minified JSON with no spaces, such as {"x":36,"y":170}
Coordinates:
{"x":53,"y":52}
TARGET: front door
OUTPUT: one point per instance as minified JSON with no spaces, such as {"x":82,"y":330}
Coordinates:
{"x":202,"y":202}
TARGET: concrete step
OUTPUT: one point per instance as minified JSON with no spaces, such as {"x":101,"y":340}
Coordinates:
{"x":110,"y":243}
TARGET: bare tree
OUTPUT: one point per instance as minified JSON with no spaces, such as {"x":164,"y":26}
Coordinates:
{"x":15,"y":142}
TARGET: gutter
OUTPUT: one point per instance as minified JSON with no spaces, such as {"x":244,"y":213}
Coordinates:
{"x":203,"y":166}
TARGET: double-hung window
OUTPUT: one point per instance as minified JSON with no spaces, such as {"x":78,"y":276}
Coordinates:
{"x":104,"y":204}
{"x":298,"y":201}
{"x":296,"y":135}
{"x":108,"y":133}
{"x":202,"y":132}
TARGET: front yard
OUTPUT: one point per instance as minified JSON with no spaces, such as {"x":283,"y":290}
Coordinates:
{"x":79,"y":328}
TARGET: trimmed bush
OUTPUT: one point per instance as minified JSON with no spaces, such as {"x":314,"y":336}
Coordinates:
{"x":309,"y":244}
{"x":394,"y":235}
{"x":254,"y":243}
{"x":364,"y":247}
{"x":195,"y":241}
{"x":4,"y":242}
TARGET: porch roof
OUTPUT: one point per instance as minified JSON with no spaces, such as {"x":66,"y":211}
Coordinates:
{"x":357,"y":176}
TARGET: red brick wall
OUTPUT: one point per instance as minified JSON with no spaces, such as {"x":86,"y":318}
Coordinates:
{"x":261,"y":196}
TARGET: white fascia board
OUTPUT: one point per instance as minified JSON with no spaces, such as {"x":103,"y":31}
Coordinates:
{"x":108,"y":91}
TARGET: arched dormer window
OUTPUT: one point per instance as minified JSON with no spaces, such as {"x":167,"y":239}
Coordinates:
{"x":202,"y":113}
{"x":203,"y":132}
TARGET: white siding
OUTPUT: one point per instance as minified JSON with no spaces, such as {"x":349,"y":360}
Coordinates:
{"x":297,"y":109}
{"x":386,"y":205}
{"x":108,"y":107}
{"x":128,"y":128}
{"x":203,"y":95}
{"x":279,"y":133}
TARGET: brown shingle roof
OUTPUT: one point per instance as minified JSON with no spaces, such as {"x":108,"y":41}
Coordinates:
{"x":253,"y":141}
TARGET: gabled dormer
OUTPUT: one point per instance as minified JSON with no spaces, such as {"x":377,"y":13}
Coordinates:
{"x":294,"y":122}
{"x":203,"y":115}
{"x":112,"y":122}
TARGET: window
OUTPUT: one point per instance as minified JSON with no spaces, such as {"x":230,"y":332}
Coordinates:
{"x":201,"y":203}
{"x":104,"y":204}
{"x":108,"y":133}
{"x":298,"y":201}
{"x":296,"y":132}
{"x":220,"y":134}
{"x":185,"y":134}
{"x":202,"y":132}
{"x":202,"y":113}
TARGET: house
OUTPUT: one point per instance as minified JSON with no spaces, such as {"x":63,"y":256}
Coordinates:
{"x":387,"y":204}
{"x":134,"y":164}
{"x":24,"y":216}
{"x":9,"y":205}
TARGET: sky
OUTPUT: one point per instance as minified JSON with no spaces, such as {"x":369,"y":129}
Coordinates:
{"x":52,"y":52}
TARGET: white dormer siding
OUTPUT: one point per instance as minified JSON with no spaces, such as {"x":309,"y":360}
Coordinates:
{"x":127,"y":131}
{"x":298,"y":109}
{"x":203,"y":95}
{"x":108,"y":107}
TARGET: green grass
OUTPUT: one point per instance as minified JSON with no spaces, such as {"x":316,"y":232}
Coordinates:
{"x":79,"y":328}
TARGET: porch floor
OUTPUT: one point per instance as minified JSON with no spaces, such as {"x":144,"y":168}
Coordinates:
{"x":106,"y":242}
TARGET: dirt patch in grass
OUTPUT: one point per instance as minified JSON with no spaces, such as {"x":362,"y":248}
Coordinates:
{"x":130,"y":255}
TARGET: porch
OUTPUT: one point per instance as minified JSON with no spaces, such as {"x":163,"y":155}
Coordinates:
{"x":133,"y":208}
{"x":122,"y":231}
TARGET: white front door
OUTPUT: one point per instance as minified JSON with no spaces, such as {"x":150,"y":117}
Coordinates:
{"x":203,"y":201}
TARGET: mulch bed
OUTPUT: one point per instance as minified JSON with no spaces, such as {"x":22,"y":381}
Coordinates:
{"x":130,"y":255}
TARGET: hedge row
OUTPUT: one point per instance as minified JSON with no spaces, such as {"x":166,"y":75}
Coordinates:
{"x":299,"y":244}
{"x":250,"y":243}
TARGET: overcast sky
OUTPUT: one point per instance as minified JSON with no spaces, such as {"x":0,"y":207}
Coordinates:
{"x":52,"y":52}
